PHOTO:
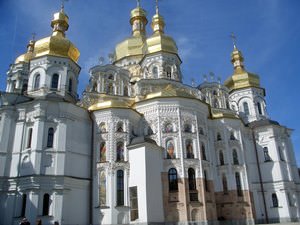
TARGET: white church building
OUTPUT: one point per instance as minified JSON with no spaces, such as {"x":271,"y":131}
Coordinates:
{"x":140,"y":146}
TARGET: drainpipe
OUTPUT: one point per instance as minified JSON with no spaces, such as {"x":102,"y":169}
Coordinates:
{"x":91,"y":172}
{"x":260,"y":179}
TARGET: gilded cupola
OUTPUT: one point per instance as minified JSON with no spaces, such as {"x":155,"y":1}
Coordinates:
{"x":240,"y":78}
{"x":134,"y":45}
{"x":28,"y":55}
{"x":57,"y":44}
{"x":158,"y":41}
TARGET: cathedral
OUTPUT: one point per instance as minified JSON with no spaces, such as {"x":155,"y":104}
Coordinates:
{"x":139,"y":146}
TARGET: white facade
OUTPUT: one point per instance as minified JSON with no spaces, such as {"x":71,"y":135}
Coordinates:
{"x":140,"y":146}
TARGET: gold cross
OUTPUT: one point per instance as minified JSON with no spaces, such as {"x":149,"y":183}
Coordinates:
{"x":33,"y":36}
{"x":157,"y":8}
{"x":233,"y":37}
{"x":63,"y":4}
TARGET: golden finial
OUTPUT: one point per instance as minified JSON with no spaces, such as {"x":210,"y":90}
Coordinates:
{"x":233,"y":37}
{"x":138,"y":3}
{"x":63,"y":5}
{"x":156,"y":7}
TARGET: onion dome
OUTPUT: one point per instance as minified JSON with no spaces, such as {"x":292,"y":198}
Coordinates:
{"x":134,"y":45}
{"x":57,"y":44}
{"x":240,"y":78}
{"x":28,"y":55}
{"x":159,"y":41}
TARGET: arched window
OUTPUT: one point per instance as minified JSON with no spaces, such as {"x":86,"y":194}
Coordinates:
{"x":170,"y":149}
{"x":94,"y":86}
{"x":29,"y":138}
{"x":103,"y":152}
{"x":246,"y":108}
{"x":232,"y":137}
{"x":46,"y":204}
{"x":169,"y":72}
{"x":216,"y":103}
{"x":172,"y":177}
{"x":50,"y":137}
{"x":37,"y":82}
{"x":188,"y":128}
{"x":110,"y":89}
{"x":70,"y":86}
{"x":203,"y":152}
{"x":24,"y":88}
{"x":225,"y":186}
{"x":120,"y":188}
{"x":235,"y":157}
{"x":14,"y":85}
{"x":215,"y":92}
{"x":201,"y":131}
{"x":54,"y":82}
{"x":266,"y":155}
{"x":189,"y":149}
{"x":111,"y":77}
{"x":23,"y":209}
{"x":221,"y":158}
{"x":238,"y":184}
{"x":227,"y":104}
{"x":274,"y":200}
{"x":259,"y":109}
{"x":206,"y":186}
{"x":120,"y":151}
{"x":120,"y":127}
{"x":155,"y":72}
{"x":192,"y":179}
{"x":281,"y":154}
{"x":125,"y":91}
{"x":219,"y":137}
{"x":168,"y":128}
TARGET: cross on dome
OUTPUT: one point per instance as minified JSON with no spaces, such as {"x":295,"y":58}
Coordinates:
{"x":138,"y":3}
{"x":233,"y":37}
{"x":63,"y":4}
{"x":33,"y":35}
{"x":157,"y":7}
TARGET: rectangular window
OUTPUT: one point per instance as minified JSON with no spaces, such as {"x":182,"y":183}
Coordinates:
{"x":134,"y":213}
{"x":29,"y":138}
{"x":206,"y":185}
{"x":120,"y":188}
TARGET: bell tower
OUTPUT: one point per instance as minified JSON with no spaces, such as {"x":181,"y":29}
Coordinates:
{"x":245,"y":93}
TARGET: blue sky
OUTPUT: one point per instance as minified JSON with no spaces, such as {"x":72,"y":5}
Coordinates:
{"x":268,"y":34}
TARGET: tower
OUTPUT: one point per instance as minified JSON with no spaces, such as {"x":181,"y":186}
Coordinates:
{"x":272,"y":167}
{"x":54,"y":68}
{"x":246,"y":95}
{"x":161,"y":60}
{"x":45,"y":154}
{"x":17,"y":76}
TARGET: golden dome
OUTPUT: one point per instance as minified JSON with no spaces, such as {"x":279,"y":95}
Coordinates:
{"x":138,"y":13}
{"x":240,"y":78}
{"x":57,"y":44}
{"x":159,"y":41}
{"x":28,"y":55}
{"x":134,"y":45}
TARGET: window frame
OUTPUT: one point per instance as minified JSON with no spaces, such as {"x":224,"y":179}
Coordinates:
{"x":173,"y":180}
{"x":120,"y":201}
{"x":55,"y":81}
